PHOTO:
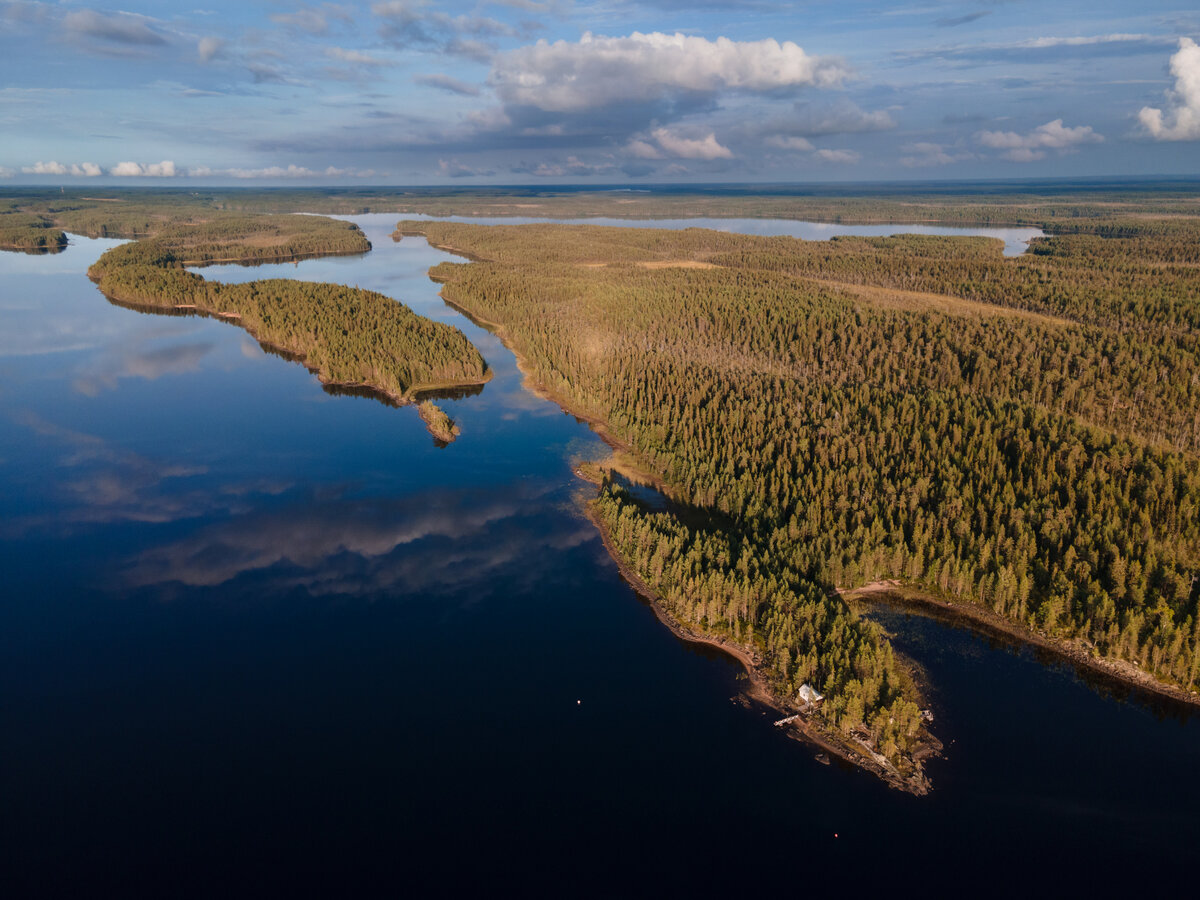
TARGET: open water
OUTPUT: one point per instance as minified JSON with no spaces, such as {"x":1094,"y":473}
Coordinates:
{"x":259,"y":639}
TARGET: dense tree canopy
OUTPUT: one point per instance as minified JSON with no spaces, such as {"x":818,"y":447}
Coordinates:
{"x":1022,"y":433}
{"x":347,"y":335}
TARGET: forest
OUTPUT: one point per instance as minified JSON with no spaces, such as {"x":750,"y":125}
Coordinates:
{"x":348,"y":336}
{"x":1021,"y":433}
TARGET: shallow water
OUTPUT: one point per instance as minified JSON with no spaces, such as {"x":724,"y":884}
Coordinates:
{"x":256,"y":637}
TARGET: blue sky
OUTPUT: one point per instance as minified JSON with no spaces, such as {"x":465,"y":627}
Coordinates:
{"x":615,"y":91}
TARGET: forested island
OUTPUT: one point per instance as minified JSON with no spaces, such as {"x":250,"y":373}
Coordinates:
{"x":347,"y":336}
{"x":1020,"y":435}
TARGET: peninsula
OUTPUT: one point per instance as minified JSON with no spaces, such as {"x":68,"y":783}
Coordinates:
{"x":1018,"y":435}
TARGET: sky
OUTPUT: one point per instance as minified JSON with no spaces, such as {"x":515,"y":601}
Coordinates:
{"x":410,"y":92}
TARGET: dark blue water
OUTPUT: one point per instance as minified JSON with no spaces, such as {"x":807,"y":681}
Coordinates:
{"x":258,"y":639}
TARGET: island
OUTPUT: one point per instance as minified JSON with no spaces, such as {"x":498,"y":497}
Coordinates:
{"x":913,"y":416}
{"x":351,"y":338}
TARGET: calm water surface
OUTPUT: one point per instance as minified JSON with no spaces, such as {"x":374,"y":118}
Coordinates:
{"x":255,"y":638}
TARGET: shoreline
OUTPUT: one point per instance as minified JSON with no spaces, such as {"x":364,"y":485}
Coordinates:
{"x":1119,"y":671}
{"x":805,"y":730}
{"x":982,"y":620}
{"x":408,"y":398}
{"x":632,"y":463}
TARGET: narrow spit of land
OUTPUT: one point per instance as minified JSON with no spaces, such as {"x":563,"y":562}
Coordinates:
{"x":350,"y":338}
{"x":1007,"y":433}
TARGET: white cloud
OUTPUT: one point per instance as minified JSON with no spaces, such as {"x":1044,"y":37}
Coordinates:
{"x":164,"y":169}
{"x":291,"y":171}
{"x":1181,"y":122}
{"x":838,"y":156}
{"x":789,"y":142}
{"x":1033,"y":145}
{"x":87,"y":169}
{"x":1083,"y":41}
{"x":599,"y":71}
{"x":691,"y":148}
{"x":643,"y":150}
{"x":314,"y":20}
{"x":354,"y":57}
{"x":6,"y":172}
{"x":209,"y":48}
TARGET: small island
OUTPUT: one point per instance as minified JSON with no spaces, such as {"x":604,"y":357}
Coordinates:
{"x":440,"y":425}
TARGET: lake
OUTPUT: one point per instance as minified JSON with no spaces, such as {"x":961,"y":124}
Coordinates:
{"x":255,"y":637}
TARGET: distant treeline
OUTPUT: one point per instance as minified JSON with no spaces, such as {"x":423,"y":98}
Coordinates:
{"x":28,"y":232}
{"x":347,"y":335}
{"x":137,"y":212}
{"x":1019,"y":432}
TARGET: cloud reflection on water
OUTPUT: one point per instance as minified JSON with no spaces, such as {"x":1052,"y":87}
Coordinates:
{"x":436,"y":541}
{"x":105,"y":484}
{"x":140,"y":361}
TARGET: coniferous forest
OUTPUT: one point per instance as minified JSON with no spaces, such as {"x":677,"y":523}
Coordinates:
{"x":1020,"y":433}
{"x":346,"y":335}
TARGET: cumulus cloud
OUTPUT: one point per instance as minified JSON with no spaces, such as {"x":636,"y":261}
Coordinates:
{"x":87,"y":169}
{"x":602,"y":71}
{"x":1181,"y":121}
{"x":209,"y":48}
{"x":446,"y":83}
{"x":1034,"y":144}
{"x":164,"y":169}
{"x":6,"y":172}
{"x":691,"y":148}
{"x":118,"y":28}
